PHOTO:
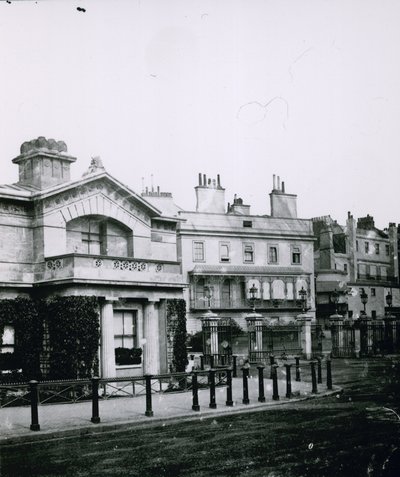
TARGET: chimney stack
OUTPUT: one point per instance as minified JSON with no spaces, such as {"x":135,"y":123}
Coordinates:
{"x":210,"y":195}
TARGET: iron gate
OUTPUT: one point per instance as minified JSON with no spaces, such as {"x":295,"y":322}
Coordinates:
{"x":223,"y":338}
{"x":266,"y":340}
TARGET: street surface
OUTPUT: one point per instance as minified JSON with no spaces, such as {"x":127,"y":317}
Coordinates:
{"x":354,"y":434}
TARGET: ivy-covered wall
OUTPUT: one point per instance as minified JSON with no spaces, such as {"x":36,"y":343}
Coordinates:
{"x":73,"y":329}
{"x":176,"y":320}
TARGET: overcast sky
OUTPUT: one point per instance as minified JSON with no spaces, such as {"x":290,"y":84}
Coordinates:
{"x":308,"y":90}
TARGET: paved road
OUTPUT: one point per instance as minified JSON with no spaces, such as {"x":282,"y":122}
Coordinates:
{"x":356,"y":434}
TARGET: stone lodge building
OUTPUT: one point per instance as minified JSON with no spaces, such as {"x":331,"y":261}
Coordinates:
{"x":93,"y":236}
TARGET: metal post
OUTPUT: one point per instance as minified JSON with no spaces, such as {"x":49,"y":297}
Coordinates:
{"x":313,"y":377}
{"x":202,"y":362}
{"x":271,"y":363}
{"x":211,"y":379}
{"x":297,"y":368}
{"x":275,"y":392}
{"x":328,"y":373}
{"x":288,"y":381}
{"x":319,"y":371}
{"x":234,"y":366}
{"x":229,"y":401}
{"x":95,"y":400}
{"x":149,"y":410}
{"x":261,"y":395}
{"x":245,"y":399}
{"x":195,"y":391}
{"x":211,"y":360}
{"x":35,"y":426}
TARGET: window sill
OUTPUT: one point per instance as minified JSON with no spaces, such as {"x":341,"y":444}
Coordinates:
{"x":127,"y":366}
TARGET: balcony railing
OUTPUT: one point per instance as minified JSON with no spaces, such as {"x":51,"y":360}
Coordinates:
{"x":376,"y":278}
{"x":102,"y":268}
{"x":243,"y":303}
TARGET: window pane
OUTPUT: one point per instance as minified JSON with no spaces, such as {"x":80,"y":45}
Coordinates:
{"x":118,"y":342}
{"x":128,"y":323}
{"x":118,"y":323}
{"x":8,"y":335}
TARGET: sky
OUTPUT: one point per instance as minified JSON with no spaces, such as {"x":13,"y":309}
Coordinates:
{"x":305,"y":89}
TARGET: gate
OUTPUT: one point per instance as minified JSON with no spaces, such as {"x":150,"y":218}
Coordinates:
{"x":372,"y":338}
{"x":343,"y":340}
{"x":217,"y":342}
{"x":265,"y":340}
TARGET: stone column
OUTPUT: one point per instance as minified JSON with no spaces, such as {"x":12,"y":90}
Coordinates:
{"x":305,"y":323}
{"x":107,"y":340}
{"x":256,"y":320}
{"x":151,"y":335}
{"x":211,"y":319}
{"x":357,"y":341}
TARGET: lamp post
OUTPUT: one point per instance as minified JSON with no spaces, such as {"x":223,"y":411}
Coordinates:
{"x":389,"y":302}
{"x":208,"y":296}
{"x":254,"y":327}
{"x":364,"y":300}
{"x":303,"y":298}
{"x":253,"y":296}
{"x":335,"y":300}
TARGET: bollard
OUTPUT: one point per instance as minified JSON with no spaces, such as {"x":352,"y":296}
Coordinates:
{"x":329,"y":373}
{"x":35,"y":426}
{"x":288,"y":381}
{"x":211,"y":361}
{"x":211,"y":380}
{"x":195,"y":392}
{"x":95,"y":400}
{"x":271,"y":363}
{"x":245,"y":399}
{"x":313,"y":378}
{"x":149,"y":410}
{"x":261,"y":395}
{"x":275,"y":392}
{"x":234,"y":371}
{"x":202,"y":362}
{"x":297,"y":368}
{"x":229,"y":401}
{"x":319,"y":371}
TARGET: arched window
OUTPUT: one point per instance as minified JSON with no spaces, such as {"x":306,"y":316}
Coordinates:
{"x":98,"y":235}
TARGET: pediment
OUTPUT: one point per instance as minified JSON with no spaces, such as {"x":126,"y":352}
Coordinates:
{"x":99,"y":195}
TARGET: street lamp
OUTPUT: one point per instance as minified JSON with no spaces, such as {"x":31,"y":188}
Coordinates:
{"x":253,"y":296}
{"x":208,"y":295}
{"x":335,"y":300}
{"x":364,"y":300}
{"x":303,"y":298}
{"x":389,"y":302}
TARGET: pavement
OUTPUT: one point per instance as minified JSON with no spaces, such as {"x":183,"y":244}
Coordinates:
{"x":74,"y":420}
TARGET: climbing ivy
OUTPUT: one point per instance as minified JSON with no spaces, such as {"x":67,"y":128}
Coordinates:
{"x":74,"y":333}
{"x":177,"y":309}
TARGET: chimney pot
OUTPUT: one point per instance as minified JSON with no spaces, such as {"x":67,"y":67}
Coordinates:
{"x":199,"y":178}
{"x":283,"y":187}
{"x":273,"y":182}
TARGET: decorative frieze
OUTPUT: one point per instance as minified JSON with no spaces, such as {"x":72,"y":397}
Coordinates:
{"x":54,"y":264}
{"x":130,"y":265}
